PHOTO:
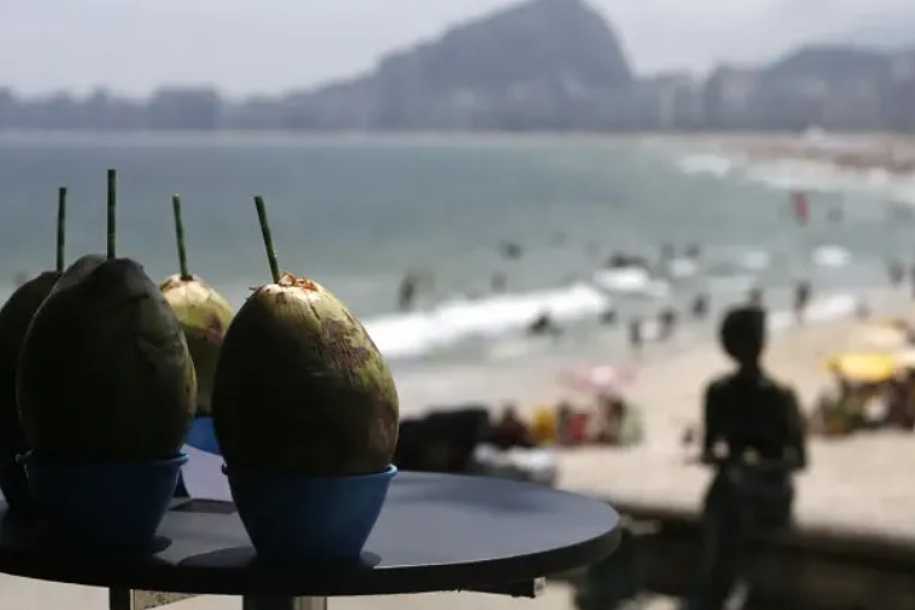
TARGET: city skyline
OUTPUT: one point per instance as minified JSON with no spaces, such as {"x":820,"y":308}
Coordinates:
{"x":132,"y":49}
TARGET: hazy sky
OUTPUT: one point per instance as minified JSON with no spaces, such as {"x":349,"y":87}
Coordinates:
{"x":245,"y":46}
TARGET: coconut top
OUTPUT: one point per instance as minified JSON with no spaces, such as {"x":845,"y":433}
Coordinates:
{"x":197,"y":305}
{"x":304,"y":288}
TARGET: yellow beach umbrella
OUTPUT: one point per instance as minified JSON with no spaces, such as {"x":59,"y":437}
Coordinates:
{"x":864,"y":367}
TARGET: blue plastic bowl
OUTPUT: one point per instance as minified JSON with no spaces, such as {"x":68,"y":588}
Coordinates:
{"x":110,"y":505}
{"x":203,"y":435}
{"x":294,"y":518}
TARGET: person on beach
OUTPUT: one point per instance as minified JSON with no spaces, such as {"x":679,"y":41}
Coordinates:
{"x":700,"y":305}
{"x":635,"y":333}
{"x":896,"y":271}
{"x":754,"y":438}
{"x":802,"y":293}
{"x":407,"y":292}
{"x":693,"y":251}
{"x":510,"y":431}
{"x":667,"y":323}
{"x":544,"y":325}
{"x":608,"y":316}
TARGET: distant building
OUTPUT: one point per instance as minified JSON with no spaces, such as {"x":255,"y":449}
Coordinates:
{"x":670,"y":101}
{"x":728,"y":98}
{"x":184,"y":108}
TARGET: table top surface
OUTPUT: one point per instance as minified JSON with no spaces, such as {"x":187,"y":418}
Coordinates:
{"x":436,"y":532}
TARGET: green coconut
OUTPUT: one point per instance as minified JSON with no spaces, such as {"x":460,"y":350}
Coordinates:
{"x":15,"y":317}
{"x":300,"y":386}
{"x":204,"y":316}
{"x":105,"y":374}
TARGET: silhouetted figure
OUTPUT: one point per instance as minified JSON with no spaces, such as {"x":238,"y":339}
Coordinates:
{"x":510,"y":431}
{"x":802,"y":292}
{"x":693,"y":251}
{"x":754,"y":438}
{"x":699,"y":308}
{"x":511,"y":249}
{"x":635,"y":333}
{"x":620,"y":260}
{"x":407,"y":293}
{"x":667,"y":323}
{"x":608,"y":316}
{"x":544,"y":325}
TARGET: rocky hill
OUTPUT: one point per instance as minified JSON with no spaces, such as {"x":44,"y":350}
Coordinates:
{"x":543,"y":64}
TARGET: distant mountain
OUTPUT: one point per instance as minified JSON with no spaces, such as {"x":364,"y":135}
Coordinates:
{"x":831,"y":63}
{"x":831,"y":86}
{"x":541,"y":64}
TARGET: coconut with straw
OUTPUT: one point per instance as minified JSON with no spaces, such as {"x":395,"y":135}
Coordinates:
{"x":105,"y":374}
{"x":300,"y":386}
{"x":203,"y":313}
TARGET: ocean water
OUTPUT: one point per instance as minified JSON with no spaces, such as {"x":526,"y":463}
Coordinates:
{"x":358,"y":212}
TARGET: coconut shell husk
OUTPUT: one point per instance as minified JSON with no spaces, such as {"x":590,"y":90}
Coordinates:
{"x":204,"y":316}
{"x":105,"y":374}
{"x":301,"y":387}
{"x":15,"y":317}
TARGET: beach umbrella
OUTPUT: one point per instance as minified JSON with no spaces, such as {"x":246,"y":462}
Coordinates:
{"x":864,"y":367}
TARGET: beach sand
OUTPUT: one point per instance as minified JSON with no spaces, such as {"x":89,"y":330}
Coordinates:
{"x":860,"y":482}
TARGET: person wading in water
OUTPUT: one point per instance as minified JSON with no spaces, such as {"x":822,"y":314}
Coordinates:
{"x":754,"y":438}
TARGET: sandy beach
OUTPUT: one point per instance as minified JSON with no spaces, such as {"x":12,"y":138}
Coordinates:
{"x":857,"y":482}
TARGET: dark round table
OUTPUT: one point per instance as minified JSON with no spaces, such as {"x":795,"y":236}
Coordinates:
{"x":436,"y":533}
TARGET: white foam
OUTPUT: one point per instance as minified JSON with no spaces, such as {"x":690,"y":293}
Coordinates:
{"x":738,"y":260}
{"x":630,"y":280}
{"x":831,"y":256}
{"x":732,"y":284}
{"x":810,"y":175}
{"x":825,"y":309}
{"x":413,"y":334}
{"x":714,"y":165}
{"x":681,"y":267}
{"x":754,"y":260}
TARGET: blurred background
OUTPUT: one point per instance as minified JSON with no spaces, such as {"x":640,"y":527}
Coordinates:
{"x":539,"y":210}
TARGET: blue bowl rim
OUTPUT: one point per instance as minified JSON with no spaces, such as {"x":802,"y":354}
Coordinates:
{"x":387,"y":473}
{"x":35,"y":456}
